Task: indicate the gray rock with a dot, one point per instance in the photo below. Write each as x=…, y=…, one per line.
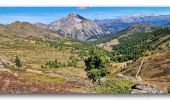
x=146, y=88
x=102, y=80
x=76, y=27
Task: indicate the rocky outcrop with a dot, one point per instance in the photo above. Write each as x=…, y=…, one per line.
x=141, y=87
x=146, y=88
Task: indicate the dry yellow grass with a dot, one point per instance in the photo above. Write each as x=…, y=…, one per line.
x=72, y=72
x=155, y=70
x=33, y=53
x=108, y=45
x=116, y=68
x=32, y=45
x=45, y=78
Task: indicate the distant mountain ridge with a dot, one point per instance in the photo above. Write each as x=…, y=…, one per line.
x=116, y=25
x=41, y=25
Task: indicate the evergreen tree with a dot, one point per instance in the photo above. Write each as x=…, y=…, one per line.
x=96, y=64
x=18, y=62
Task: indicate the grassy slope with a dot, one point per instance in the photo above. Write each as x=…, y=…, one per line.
x=154, y=70
x=21, y=39
x=36, y=46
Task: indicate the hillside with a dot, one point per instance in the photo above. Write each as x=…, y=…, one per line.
x=144, y=55
x=49, y=60
x=24, y=30
x=29, y=40
x=57, y=64
x=155, y=69
x=107, y=42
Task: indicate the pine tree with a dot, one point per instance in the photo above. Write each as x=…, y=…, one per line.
x=18, y=62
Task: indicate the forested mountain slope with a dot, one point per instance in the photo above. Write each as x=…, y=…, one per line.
x=135, y=45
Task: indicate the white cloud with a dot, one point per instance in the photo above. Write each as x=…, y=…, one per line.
x=83, y=8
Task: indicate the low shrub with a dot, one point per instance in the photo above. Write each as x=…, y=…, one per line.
x=55, y=64
x=114, y=86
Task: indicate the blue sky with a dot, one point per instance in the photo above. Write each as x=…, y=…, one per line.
x=48, y=14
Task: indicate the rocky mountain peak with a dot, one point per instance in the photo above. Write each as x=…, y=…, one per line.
x=75, y=17
x=76, y=27
x=73, y=14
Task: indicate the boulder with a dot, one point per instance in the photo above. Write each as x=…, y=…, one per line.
x=102, y=80
x=146, y=88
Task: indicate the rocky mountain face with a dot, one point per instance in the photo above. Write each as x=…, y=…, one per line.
x=76, y=27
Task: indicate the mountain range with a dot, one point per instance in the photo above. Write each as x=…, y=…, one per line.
x=77, y=27
x=115, y=25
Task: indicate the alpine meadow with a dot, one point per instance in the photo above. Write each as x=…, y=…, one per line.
x=108, y=50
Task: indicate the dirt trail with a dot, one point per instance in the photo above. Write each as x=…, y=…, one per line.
x=140, y=67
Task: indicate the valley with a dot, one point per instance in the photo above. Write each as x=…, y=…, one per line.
x=129, y=55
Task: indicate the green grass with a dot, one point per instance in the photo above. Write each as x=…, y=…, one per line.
x=115, y=87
